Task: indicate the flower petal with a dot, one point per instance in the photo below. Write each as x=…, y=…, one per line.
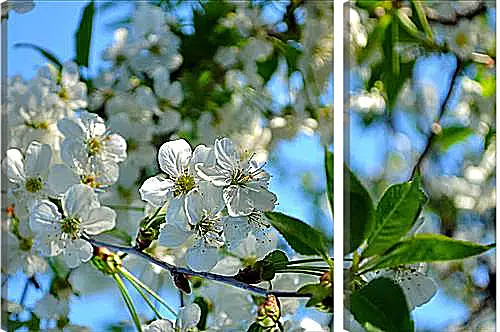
x=37, y=159
x=70, y=128
x=99, y=220
x=235, y=230
x=237, y=201
x=115, y=147
x=44, y=214
x=226, y=154
x=201, y=257
x=188, y=317
x=173, y=235
x=60, y=178
x=76, y=252
x=174, y=157
x=13, y=165
x=78, y=200
x=156, y=190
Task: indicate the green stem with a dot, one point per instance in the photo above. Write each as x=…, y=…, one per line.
x=151, y=219
x=147, y=289
x=310, y=260
x=308, y=267
x=128, y=301
x=317, y=274
x=126, y=207
x=138, y=288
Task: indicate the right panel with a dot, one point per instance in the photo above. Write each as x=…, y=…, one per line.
x=420, y=170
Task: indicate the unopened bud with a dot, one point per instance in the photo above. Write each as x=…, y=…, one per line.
x=436, y=128
x=269, y=312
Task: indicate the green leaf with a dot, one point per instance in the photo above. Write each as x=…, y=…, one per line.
x=304, y=239
x=381, y=304
x=44, y=52
x=427, y=248
x=267, y=68
x=275, y=260
x=321, y=296
x=396, y=212
x=329, y=176
x=255, y=327
x=360, y=214
x=83, y=35
x=451, y=136
x=420, y=18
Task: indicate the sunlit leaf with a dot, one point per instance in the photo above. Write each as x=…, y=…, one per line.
x=427, y=248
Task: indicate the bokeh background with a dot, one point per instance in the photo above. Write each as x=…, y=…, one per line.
x=385, y=141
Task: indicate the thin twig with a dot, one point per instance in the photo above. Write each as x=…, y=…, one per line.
x=206, y=275
x=432, y=135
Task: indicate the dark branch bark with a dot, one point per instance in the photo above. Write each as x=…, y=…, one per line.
x=432, y=134
x=206, y=275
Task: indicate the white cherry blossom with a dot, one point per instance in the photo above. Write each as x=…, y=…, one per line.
x=188, y=318
x=179, y=179
x=60, y=234
x=244, y=182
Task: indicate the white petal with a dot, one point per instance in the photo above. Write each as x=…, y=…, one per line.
x=175, y=210
x=237, y=201
x=235, y=230
x=261, y=198
x=76, y=252
x=203, y=155
x=107, y=172
x=161, y=325
x=206, y=197
x=74, y=152
x=70, y=74
x=174, y=157
x=13, y=165
x=188, y=317
x=201, y=257
x=115, y=147
x=70, y=128
x=156, y=190
x=93, y=123
x=99, y=220
x=173, y=235
x=44, y=214
x=37, y=160
x=78, y=200
x=226, y=154
x=60, y=178
x=174, y=93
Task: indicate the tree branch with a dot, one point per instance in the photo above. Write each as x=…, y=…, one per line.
x=431, y=137
x=206, y=275
x=435, y=16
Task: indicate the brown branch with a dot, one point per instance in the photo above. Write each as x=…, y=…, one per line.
x=206, y=275
x=434, y=16
x=432, y=135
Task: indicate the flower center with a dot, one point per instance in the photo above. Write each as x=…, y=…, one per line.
x=183, y=184
x=43, y=125
x=155, y=49
x=240, y=177
x=25, y=244
x=63, y=94
x=94, y=146
x=210, y=229
x=71, y=226
x=33, y=185
x=90, y=181
x=249, y=261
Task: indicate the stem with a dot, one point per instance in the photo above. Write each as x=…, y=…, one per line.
x=317, y=274
x=128, y=301
x=147, y=289
x=310, y=260
x=432, y=135
x=308, y=267
x=126, y=207
x=138, y=288
x=206, y=275
x=150, y=221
